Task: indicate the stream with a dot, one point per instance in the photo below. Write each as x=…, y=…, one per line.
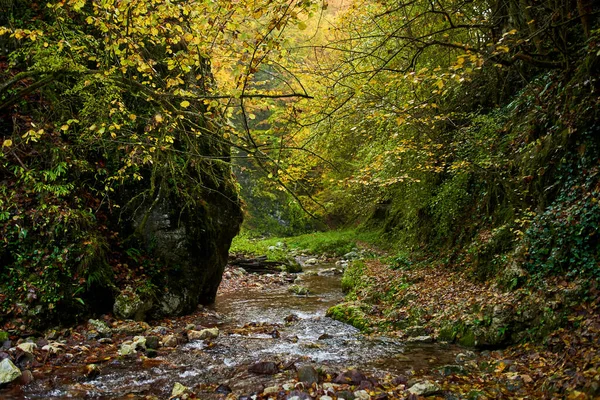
x=270, y=325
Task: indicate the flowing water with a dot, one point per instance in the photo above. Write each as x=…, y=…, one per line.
x=271, y=325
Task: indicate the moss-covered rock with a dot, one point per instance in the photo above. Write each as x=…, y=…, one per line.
x=350, y=313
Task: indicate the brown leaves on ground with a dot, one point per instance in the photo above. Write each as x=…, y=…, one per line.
x=566, y=364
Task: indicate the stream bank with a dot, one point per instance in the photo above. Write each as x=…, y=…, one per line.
x=258, y=339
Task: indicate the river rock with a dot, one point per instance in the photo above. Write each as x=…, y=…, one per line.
x=152, y=342
x=26, y=377
x=8, y=372
x=100, y=327
x=159, y=330
x=420, y=339
x=170, y=341
x=27, y=347
x=264, y=368
x=447, y=370
x=362, y=395
x=271, y=390
x=179, y=390
x=126, y=349
x=131, y=328
x=139, y=343
x=468, y=355
x=204, y=334
x=223, y=389
x=308, y=374
x=400, y=380
x=311, y=261
x=351, y=376
x=298, y=395
x=424, y=388
x=325, y=398
x=345, y=394
x=130, y=305
x=91, y=371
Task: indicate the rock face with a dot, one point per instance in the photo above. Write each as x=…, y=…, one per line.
x=193, y=243
x=186, y=222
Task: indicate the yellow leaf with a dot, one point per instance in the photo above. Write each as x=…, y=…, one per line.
x=440, y=84
x=185, y=104
x=132, y=117
x=64, y=128
x=7, y=143
x=158, y=118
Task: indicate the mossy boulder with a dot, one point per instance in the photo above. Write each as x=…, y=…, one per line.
x=129, y=305
x=351, y=314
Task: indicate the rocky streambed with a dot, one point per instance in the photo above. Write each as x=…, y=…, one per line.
x=263, y=338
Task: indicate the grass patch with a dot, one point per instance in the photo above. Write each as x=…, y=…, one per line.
x=332, y=243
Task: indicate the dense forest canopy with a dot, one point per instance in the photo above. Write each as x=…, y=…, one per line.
x=462, y=126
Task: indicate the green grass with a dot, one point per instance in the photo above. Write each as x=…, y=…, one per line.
x=333, y=243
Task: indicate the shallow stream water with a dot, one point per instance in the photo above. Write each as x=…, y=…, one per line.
x=270, y=325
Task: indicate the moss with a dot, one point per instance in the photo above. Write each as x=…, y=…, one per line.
x=299, y=290
x=467, y=338
x=351, y=314
x=352, y=276
x=3, y=336
x=447, y=333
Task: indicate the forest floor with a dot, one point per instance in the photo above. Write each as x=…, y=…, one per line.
x=557, y=360
x=413, y=304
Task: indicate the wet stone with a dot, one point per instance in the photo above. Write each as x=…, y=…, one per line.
x=271, y=390
x=362, y=395
x=151, y=353
x=27, y=347
x=26, y=377
x=8, y=371
x=365, y=385
x=308, y=374
x=447, y=370
x=152, y=342
x=91, y=371
x=170, y=341
x=400, y=380
x=223, y=389
x=425, y=388
x=264, y=368
x=345, y=394
x=105, y=341
x=298, y=395
x=351, y=376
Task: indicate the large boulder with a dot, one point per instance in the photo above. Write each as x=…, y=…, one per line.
x=191, y=237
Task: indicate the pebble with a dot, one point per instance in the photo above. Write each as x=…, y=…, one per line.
x=170, y=341
x=425, y=388
x=271, y=390
x=27, y=347
x=179, y=389
x=91, y=371
x=362, y=395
